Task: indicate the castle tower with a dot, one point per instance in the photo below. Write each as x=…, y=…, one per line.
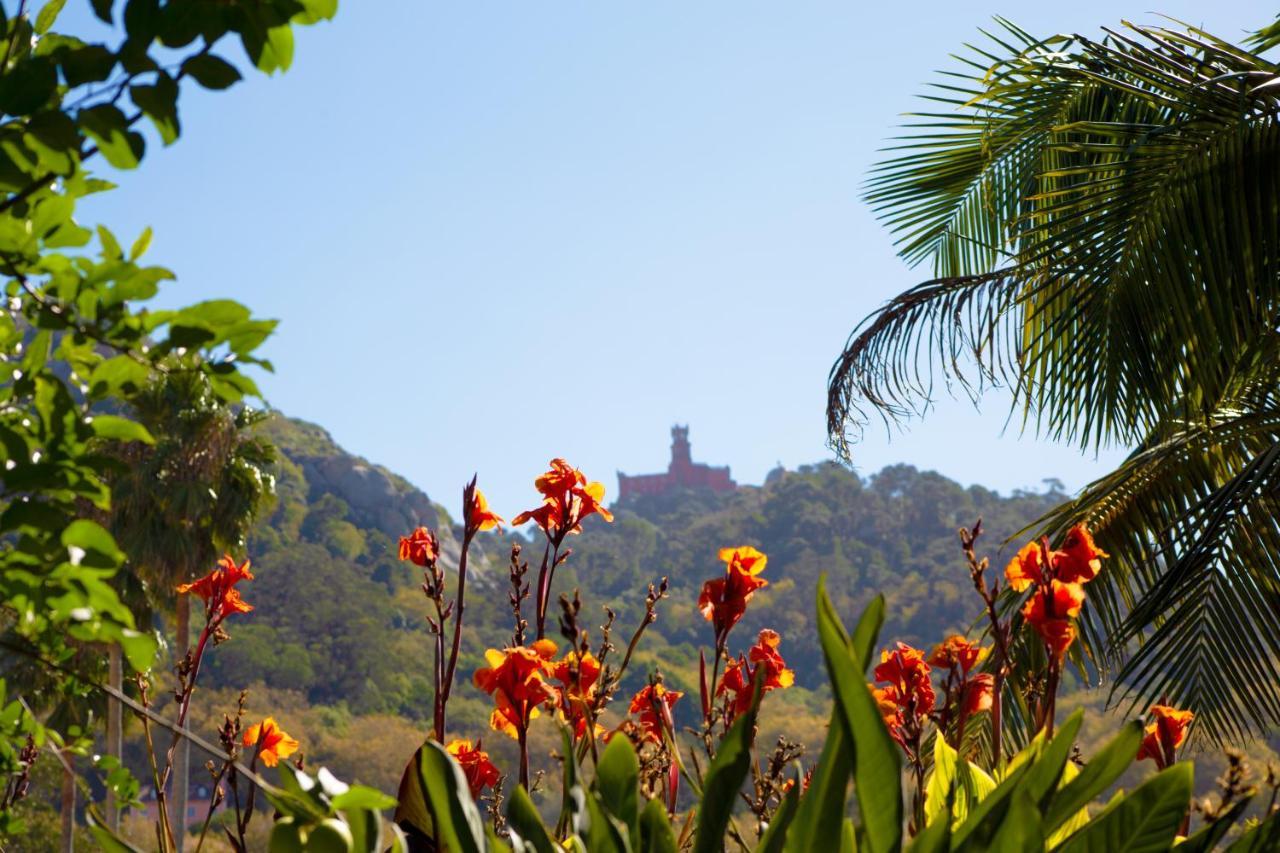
x=681, y=454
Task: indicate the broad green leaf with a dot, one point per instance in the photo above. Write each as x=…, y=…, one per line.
x=618, y=784
x=140, y=245
x=434, y=799
x=526, y=824
x=1045, y=773
x=935, y=838
x=48, y=14
x=117, y=428
x=1020, y=830
x=1078, y=820
x=599, y=830
x=363, y=797
x=211, y=72
x=656, y=834
x=90, y=544
x=107, y=126
x=986, y=817
x=723, y=782
x=877, y=765
x=1147, y=819
x=818, y=820
x=1206, y=838
x=1098, y=774
x=972, y=784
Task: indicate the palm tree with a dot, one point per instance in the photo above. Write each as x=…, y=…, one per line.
x=1101, y=218
x=176, y=503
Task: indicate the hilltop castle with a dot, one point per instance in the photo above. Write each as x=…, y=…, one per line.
x=683, y=472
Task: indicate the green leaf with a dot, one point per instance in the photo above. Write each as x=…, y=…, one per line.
x=986, y=817
x=877, y=766
x=91, y=63
x=723, y=781
x=363, y=797
x=1147, y=819
x=48, y=14
x=95, y=545
x=1020, y=830
x=28, y=85
x=1045, y=773
x=656, y=834
x=107, y=126
x=935, y=838
x=117, y=428
x=140, y=245
x=1263, y=838
x=1206, y=838
x=1098, y=774
x=821, y=809
x=102, y=8
x=434, y=799
x=971, y=783
x=524, y=821
x=618, y=784
x=211, y=72
x=315, y=11
x=599, y=830
x=160, y=104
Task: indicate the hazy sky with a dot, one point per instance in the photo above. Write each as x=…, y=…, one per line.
x=498, y=232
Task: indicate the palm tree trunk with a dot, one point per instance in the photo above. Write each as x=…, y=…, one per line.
x=115, y=728
x=68, y=805
x=182, y=759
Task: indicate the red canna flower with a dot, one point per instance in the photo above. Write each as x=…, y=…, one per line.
x=476, y=766
x=653, y=704
x=956, y=652
x=271, y=741
x=568, y=498
x=739, y=679
x=723, y=600
x=1164, y=735
x=890, y=703
x=905, y=669
x=420, y=547
x=1060, y=600
x=217, y=589
x=480, y=517
x=1079, y=559
x=516, y=679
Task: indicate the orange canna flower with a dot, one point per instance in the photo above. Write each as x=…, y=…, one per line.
x=568, y=498
x=1026, y=567
x=1164, y=735
x=653, y=704
x=739, y=678
x=476, y=766
x=1079, y=559
x=516, y=679
x=956, y=651
x=480, y=516
x=910, y=689
x=578, y=673
x=217, y=589
x=978, y=694
x=1062, y=600
x=889, y=701
x=420, y=547
x=271, y=742
x=723, y=600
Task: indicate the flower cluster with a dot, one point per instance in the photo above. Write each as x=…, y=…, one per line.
x=761, y=661
x=653, y=706
x=218, y=589
x=516, y=678
x=908, y=696
x=567, y=499
x=723, y=600
x=968, y=692
x=579, y=674
x=476, y=766
x=1058, y=578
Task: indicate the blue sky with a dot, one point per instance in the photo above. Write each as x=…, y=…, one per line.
x=499, y=232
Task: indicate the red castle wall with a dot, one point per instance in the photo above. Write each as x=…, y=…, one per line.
x=683, y=472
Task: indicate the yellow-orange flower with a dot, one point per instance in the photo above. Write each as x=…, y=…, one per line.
x=723, y=600
x=420, y=547
x=271, y=741
x=578, y=673
x=475, y=764
x=217, y=589
x=956, y=651
x=568, y=498
x=1025, y=568
x=480, y=516
x=516, y=679
x=653, y=704
x=1165, y=734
